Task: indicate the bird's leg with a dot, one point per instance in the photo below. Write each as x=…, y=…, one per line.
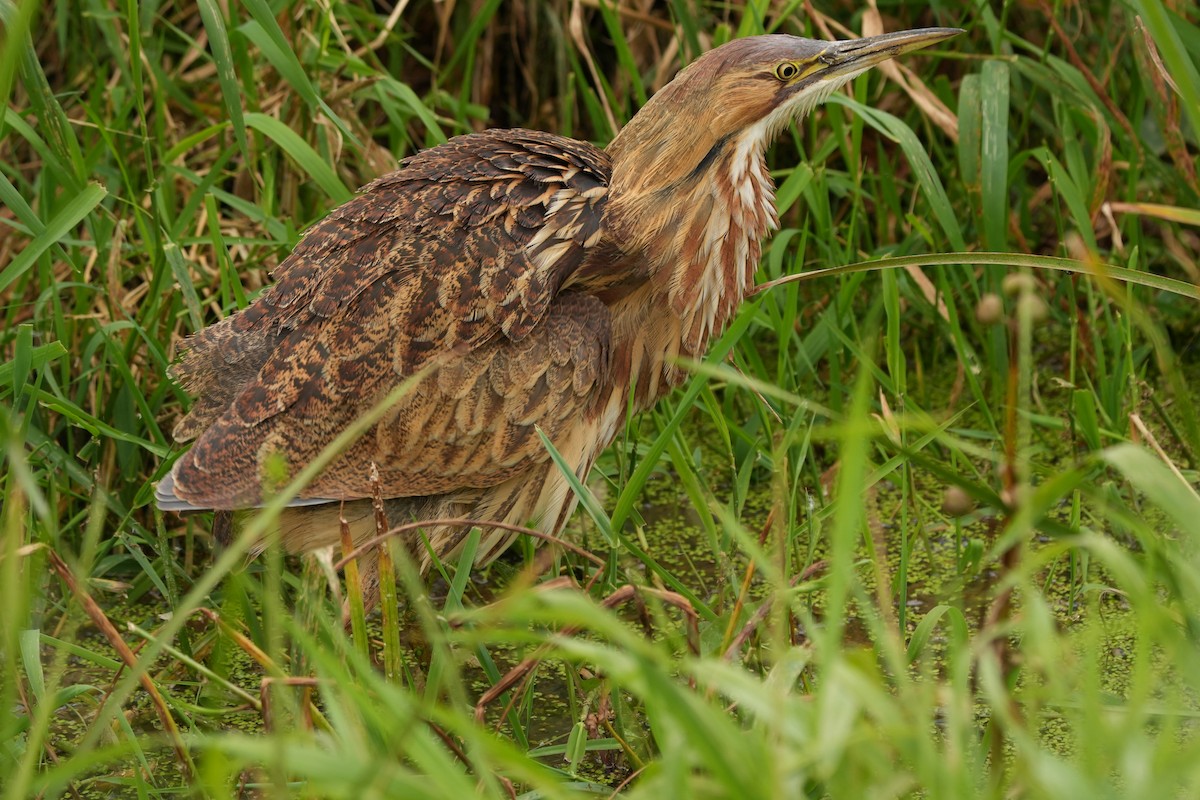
x=618, y=597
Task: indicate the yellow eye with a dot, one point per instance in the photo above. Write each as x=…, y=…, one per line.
x=786, y=71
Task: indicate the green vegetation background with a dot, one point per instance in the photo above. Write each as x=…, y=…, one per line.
x=923, y=526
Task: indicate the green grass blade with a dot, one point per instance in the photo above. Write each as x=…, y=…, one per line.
x=970, y=134
x=994, y=154
x=184, y=281
x=1179, y=64
x=218, y=42
x=1069, y=191
x=74, y=212
x=267, y=36
x=914, y=150
x=305, y=157
x=586, y=499
x=38, y=357
x=1150, y=280
x=1164, y=486
x=16, y=18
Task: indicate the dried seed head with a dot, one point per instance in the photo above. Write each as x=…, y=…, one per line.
x=956, y=502
x=1016, y=283
x=1034, y=306
x=990, y=310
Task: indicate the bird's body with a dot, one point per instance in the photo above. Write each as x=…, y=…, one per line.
x=541, y=282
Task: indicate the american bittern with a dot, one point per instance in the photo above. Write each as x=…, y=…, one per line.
x=545, y=279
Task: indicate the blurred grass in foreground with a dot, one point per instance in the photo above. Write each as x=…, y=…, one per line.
x=941, y=513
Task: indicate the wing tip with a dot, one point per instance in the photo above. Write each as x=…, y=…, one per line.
x=167, y=499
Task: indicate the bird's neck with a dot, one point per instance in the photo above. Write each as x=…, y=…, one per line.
x=718, y=242
x=698, y=241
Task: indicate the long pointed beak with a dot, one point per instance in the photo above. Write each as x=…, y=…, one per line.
x=859, y=55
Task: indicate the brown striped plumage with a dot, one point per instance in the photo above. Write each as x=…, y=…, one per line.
x=540, y=279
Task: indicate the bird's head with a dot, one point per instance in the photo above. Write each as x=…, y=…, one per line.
x=740, y=95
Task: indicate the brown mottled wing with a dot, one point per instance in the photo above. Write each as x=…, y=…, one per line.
x=473, y=422
x=458, y=259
